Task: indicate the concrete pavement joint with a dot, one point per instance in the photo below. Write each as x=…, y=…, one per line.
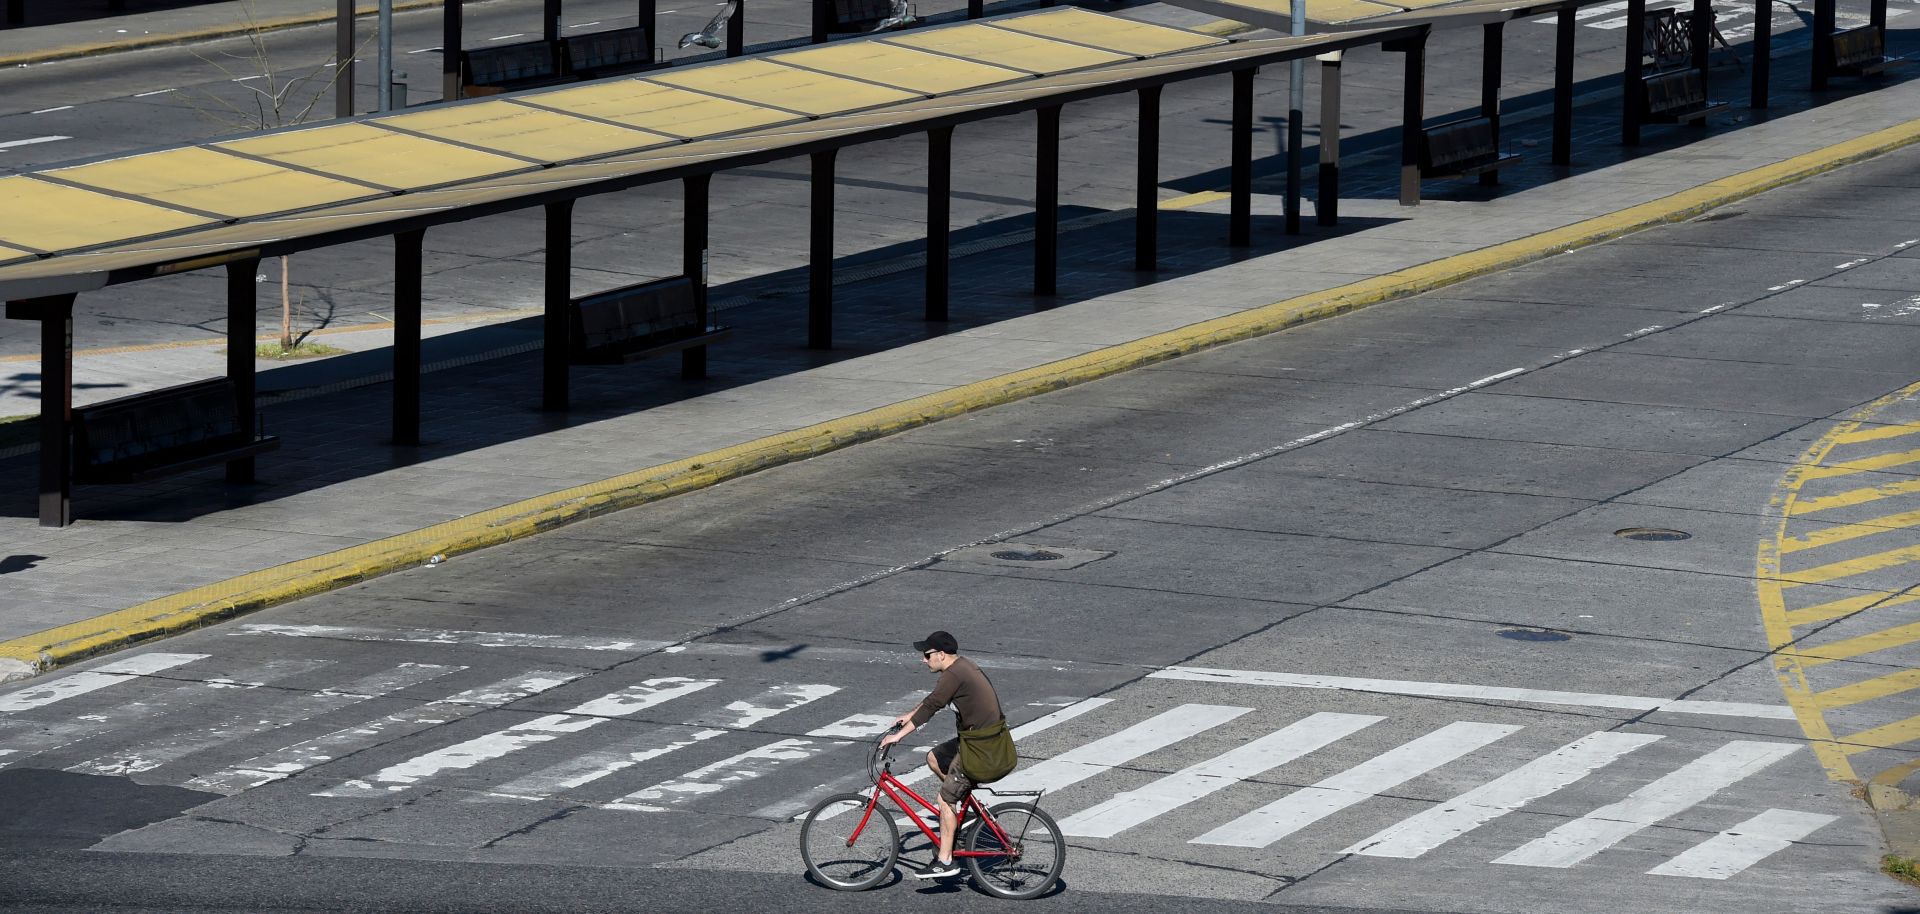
x=214, y=602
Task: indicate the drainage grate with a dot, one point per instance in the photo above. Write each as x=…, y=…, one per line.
x=1027, y=555
x=1534, y=634
x=1653, y=534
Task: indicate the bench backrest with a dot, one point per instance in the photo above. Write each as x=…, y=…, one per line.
x=634, y=312
x=859, y=15
x=1679, y=90
x=1856, y=46
x=162, y=420
x=509, y=63
x=1459, y=143
x=609, y=51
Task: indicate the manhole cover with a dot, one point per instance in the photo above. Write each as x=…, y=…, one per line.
x=1027, y=555
x=1653, y=534
x=1533, y=634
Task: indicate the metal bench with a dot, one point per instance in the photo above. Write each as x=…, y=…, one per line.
x=631, y=323
x=609, y=53
x=162, y=432
x=1678, y=97
x=1461, y=148
x=1862, y=51
x=505, y=67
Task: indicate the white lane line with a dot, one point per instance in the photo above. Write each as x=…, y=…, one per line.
x=505, y=37
x=248, y=78
x=52, y=110
x=1364, y=781
x=490, y=746
x=1154, y=733
x=1418, y=834
x=1474, y=692
x=154, y=92
x=1743, y=845
x=440, y=636
x=424, y=51
x=1248, y=760
x=42, y=694
x=146, y=709
x=29, y=142
x=582, y=25
x=798, y=806
x=1604, y=827
x=240, y=726
x=291, y=760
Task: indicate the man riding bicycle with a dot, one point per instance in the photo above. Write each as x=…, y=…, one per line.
x=982, y=726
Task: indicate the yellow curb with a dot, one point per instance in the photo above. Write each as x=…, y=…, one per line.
x=138, y=42
x=260, y=589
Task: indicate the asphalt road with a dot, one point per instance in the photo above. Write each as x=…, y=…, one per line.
x=120, y=103
x=1341, y=618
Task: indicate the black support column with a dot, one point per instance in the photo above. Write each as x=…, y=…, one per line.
x=1046, y=202
x=242, y=319
x=55, y=315
x=976, y=8
x=1762, y=52
x=1146, y=196
x=939, y=220
x=17, y=12
x=1413, y=112
x=820, y=257
x=1326, y=203
x=737, y=30
x=693, y=264
x=550, y=20
x=822, y=21
x=343, y=48
x=558, y=323
x=1633, y=92
x=1240, y=189
x=1700, y=36
x=407, y=271
x=1494, y=33
x=1563, y=35
x=1824, y=13
x=650, y=20
x=450, y=44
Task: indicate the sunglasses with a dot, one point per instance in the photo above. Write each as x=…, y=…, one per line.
x=928, y=655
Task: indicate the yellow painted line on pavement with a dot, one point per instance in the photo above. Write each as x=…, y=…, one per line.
x=1853, y=497
x=204, y=605
x=1847, y=607
x=1879, y=433
x=1834, y=571
x=1869, y=689
x=1860, y=645
x=1888, y=736
x=1882, y=462
x=1828, y=536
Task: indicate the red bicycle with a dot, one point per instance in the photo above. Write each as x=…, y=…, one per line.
x=1013, y=850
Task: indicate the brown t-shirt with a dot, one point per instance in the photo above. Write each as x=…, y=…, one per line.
x=967, y=689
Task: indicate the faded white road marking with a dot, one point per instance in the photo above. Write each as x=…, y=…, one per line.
x=711, y=779
x=1383, y=772
x=1474, y=692
x=436, y=636
x=499, y=743
x=9, y=144
x=1604, y=827
x=154, y=92
x=1743, y=845
x=291, y=711
x=52, y=110
x=287, y=762
x=41, y=694
x=1418, y=834
x=1244, y=761
x=1154, y=733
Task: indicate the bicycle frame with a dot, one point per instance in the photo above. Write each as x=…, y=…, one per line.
x=894, y=789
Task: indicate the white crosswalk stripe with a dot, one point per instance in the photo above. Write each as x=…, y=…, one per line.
x=1729, y=852
x=1364, y=781
x=1670, y=795
x=750, y=765
x=291, y=760
x=1157, y=732
x=1187, y=785
x=499, y=743
x=149, y=756
x=1421, y=833
x=40, y=695
x=40, y=739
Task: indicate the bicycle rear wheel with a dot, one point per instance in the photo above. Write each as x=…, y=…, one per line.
x=1027, y=862
x=846, y=849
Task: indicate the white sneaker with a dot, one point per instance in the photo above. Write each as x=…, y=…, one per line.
x=938, y=870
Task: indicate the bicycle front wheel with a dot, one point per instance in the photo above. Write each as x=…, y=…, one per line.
x=1026, y=862
x=845, y=848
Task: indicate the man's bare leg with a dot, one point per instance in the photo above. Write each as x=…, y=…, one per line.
x=948, y=821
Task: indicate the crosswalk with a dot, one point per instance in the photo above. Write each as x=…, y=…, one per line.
x=678, y=743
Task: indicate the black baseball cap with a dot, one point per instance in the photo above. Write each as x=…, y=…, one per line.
x=938, y=641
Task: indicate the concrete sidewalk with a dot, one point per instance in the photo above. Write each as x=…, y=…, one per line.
x=32, y=44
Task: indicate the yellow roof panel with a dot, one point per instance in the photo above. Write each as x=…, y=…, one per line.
x=525, y=131
x=663, y=109
x=1006, y=48
x=906, y=68
x=368, y=153
x=763, y=82
x=1113, y=33
x=55, y=218
x=213, y=182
